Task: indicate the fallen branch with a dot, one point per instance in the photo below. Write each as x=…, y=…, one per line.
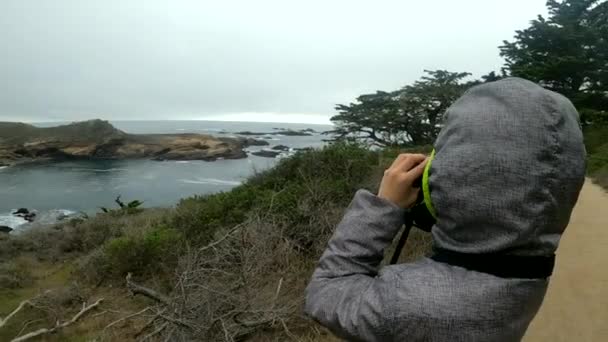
x=138, y=289
x=179, y=322
x=169, y=336
x=288, y=332
x=227, y=336
x=101, y=313
x=276, y=294
x=58, y=326
x=26, y=324
x=149, y=323
x=127, y=317
x=155, y=332
x=252, y=324
x=218, y=241
x=9, y=316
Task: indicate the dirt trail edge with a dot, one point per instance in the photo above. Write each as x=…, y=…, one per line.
x=576, y=305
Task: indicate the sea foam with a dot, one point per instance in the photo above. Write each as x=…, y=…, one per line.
x=211, y=181
x=44, y=218
x=7, y=219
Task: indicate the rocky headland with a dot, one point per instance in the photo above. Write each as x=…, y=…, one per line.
x=98, y=139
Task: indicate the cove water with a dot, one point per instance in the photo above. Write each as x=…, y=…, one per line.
x=57, y=189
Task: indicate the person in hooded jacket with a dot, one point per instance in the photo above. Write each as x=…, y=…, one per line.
x=506, y=172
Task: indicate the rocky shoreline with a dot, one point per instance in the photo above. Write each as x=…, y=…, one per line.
x=21, y=219
x=97, y=139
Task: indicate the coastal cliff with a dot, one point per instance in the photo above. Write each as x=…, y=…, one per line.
x=98, y=139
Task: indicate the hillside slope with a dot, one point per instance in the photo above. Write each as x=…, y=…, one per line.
x=85, y=131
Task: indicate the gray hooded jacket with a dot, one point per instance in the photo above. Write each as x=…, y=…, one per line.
x=509, y=166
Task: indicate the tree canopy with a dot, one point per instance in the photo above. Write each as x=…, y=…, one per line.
x=409, y=116
x=566, y=52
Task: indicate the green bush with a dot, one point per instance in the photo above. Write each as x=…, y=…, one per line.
x=199, y=217
x=598, y=159
x=93, y=268
x=595, y=136
x=130, y=208
x=593, y=117
x=596, y=142
x=290, y=192
x=311, y=185
x=88, y=235
x=145, y=254
x=15, y=274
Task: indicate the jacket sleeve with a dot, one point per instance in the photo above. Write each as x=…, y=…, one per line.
x=346, y=293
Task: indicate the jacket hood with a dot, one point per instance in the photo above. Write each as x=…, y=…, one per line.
x=508, y=168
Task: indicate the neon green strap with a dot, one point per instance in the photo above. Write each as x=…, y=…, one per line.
x=426, y=191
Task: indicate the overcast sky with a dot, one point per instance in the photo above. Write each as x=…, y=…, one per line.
x=263, y=60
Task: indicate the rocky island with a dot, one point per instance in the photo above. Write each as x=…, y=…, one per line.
x=98, y=139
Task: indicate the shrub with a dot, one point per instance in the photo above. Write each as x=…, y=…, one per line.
x=88, y=235
x=597, y=166
x=598, y=160
x=93, y=268
x=595, y=137
x=56, y=304
x=290, y=191
x=154, y=250
x=312, y=184
x=15, y=274
x=597, y=153
x=130, y=208
x=593, y=117
x=13, y=245
x=199, y=217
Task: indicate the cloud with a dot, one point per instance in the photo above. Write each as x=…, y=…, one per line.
x=147, y=59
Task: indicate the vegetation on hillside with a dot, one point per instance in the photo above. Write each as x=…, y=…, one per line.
x=92, y=130
x=596, y=141
x=230, y=264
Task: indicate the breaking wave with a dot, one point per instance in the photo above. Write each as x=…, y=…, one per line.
x=211, y=181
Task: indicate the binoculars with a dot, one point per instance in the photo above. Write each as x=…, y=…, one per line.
x=419, y=214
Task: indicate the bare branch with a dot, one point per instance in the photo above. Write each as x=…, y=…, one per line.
x=58, y=326
x=276, y=295
x=26, y=324
x=179, y=322
x=127, y=317
x=9, y=316
x=288, y=332
x=218, y=241
x=100, y=313
x=149, y=323
x=226, y=333
x=155, y=332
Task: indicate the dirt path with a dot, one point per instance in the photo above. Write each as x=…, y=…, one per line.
x=576, y=305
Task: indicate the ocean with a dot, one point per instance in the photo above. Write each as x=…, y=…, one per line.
x=64, y=188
